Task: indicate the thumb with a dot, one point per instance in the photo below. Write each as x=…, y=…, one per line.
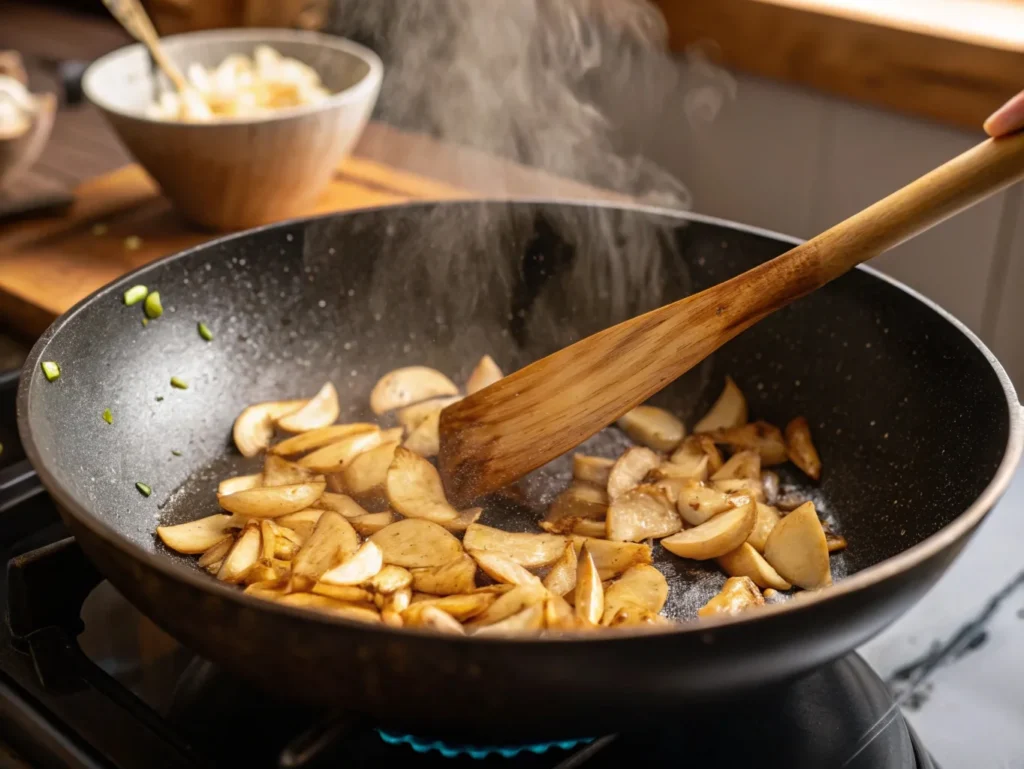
x=1008, y=118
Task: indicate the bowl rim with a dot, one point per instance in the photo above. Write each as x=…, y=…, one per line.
x=365, y=87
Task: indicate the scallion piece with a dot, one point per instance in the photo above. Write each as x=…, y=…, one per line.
x=135, y=294
x=152, y=307
x=176, y=452
x=145, y=322
x=50, y=370
x=108, y=417
x=181, y=384
x=144, y=490
x=204, y=332
x=159, y=398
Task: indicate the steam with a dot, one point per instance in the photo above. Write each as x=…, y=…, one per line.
x=541, y=83
x=524, y=80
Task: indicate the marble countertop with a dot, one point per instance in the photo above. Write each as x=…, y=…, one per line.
x=956, y=659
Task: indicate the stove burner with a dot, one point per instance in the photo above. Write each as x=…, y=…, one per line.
x=450, y=750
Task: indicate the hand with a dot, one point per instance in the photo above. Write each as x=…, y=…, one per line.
x=1008, y=118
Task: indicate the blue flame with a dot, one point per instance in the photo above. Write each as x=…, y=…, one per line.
x=450, y=750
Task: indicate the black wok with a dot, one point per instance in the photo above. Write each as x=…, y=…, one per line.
x=918, y=426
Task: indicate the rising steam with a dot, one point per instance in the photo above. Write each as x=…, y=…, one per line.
x=546, y=84
x=528, y=80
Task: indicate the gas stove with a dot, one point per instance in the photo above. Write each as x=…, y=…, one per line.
x=89, y=683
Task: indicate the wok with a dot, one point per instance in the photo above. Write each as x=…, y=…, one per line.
x=918, y=426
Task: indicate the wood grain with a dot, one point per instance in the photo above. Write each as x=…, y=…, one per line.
x=928, y=70
x=501, y=433
x=173, y=17
x=46, y=266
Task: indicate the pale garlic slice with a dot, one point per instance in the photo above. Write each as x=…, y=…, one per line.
x=272, y=501
x=409, y=385
x=414, y=488
x=417, y=543
x=197, y=536
x=653, y=427
x=315, y=439
x=254, y=427
x=729, y=410
x=484, y=375
x=589, y=603
x=716, y=537
x=320, y=411
x=239, y=483
x=630, y=469
x=361, y=566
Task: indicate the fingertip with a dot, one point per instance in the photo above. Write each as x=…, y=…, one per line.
x=1006, y=119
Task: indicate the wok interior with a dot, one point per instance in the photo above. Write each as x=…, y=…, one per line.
x=908, y=415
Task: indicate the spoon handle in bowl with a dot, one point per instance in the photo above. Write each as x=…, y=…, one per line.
x=133, y=17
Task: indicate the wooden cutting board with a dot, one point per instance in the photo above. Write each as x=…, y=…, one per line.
x=119, y=221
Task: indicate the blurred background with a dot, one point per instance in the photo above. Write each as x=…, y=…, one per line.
x=785, y=114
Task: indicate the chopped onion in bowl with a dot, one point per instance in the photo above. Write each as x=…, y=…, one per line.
x=242, y=87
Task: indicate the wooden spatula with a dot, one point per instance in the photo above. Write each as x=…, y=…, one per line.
x=499, y=434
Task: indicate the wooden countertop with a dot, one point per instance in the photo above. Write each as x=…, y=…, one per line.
x=47, y=264
x=953, y=61
x=120, y=221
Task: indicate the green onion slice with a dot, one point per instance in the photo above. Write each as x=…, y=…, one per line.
x=135, y=294
x=50, y=370
x=181, y=384
x=144, y=490
x=204, y=332
x=152, y=307
x=108, y=417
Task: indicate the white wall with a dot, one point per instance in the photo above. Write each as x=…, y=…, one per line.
x=797, y=161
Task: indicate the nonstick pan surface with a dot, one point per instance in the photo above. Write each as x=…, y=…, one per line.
x=918, y=427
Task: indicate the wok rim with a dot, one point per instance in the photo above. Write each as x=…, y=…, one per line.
x=863, y=580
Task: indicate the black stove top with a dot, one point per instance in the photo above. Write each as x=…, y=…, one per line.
x=111, y=692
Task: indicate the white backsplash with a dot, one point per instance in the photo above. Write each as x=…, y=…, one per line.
x=796, y=161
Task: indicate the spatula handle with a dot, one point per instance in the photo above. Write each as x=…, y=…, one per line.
x=965, y=180
x=983, y=170
x=545, y=409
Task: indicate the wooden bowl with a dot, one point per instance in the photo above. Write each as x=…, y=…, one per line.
x=240, y=172
x=18, y=153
